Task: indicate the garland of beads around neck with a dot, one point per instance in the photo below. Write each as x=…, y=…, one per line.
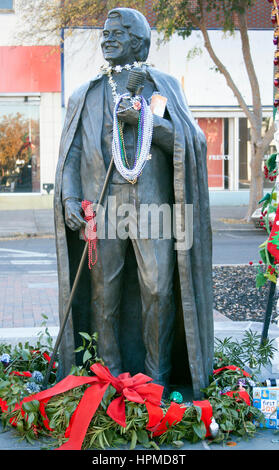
x=145, y=127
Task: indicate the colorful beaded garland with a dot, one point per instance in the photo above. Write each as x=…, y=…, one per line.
x=145, y=128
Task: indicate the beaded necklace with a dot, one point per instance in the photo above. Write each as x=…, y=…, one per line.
x=145, y=127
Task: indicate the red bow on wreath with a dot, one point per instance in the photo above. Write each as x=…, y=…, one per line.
x=136, y=389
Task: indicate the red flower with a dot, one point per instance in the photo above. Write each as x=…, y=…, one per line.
x=137, y=105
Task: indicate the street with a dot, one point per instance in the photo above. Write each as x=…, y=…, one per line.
x=28, y=274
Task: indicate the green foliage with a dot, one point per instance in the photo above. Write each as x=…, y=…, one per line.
x=247, y=351
x=89, y=350
x=24, y=358
x=182, y=16
x=233, y=416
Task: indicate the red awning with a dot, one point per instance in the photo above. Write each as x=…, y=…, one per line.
x=29, y=69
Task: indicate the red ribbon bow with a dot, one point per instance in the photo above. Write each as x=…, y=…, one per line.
x=135, y=389
x=90, y=234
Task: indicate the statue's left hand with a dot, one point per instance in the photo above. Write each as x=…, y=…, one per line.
x=126, y=113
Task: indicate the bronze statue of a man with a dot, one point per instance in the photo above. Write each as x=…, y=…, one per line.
x=150, y=303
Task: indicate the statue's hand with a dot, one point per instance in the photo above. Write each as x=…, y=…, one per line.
x=126, y=113
x=73, y=217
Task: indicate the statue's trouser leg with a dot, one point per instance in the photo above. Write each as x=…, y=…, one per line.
x=156, y=261
x=106, y=278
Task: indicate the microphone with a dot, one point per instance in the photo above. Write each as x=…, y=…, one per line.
x=135, y=81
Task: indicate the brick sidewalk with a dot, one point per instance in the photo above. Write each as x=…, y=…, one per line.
x=25, y=297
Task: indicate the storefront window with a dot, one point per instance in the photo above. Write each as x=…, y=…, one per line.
x=218, y=157
x=19, y=146
x=245, y=153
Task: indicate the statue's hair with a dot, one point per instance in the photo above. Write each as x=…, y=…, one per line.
x=137, y=25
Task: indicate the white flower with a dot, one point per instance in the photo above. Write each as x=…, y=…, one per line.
x=32, y=387
x=37, y=376
x=118, y=68
x=5, y=358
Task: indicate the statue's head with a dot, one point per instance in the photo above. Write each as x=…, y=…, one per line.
x=126, y=36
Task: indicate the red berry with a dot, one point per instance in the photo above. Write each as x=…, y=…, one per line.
x=250, y=262
x=260, y=262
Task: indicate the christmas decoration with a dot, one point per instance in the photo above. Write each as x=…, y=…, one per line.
x=176, y=397
x=91, y=408
x=269, y=250
x=273, y=241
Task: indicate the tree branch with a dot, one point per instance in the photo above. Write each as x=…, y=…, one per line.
x=246, y=52
x=221, y=67
x=268, y=137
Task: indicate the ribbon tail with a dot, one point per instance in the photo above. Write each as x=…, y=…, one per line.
x=206, y=415
x=116, y=411
x=173, y=416
x=70, y=382
x=155, y=416
x=86, y=409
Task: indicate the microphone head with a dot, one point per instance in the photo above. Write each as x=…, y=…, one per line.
x=135, y=79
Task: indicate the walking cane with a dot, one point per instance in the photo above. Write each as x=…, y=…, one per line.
x=75, y=284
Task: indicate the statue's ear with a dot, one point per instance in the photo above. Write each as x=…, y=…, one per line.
x=136, y=43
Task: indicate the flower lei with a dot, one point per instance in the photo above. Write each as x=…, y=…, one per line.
x=108, y=70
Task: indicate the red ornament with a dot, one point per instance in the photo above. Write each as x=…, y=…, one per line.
x=276, y=82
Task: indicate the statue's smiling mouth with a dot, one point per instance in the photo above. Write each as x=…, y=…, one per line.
x=110, y=47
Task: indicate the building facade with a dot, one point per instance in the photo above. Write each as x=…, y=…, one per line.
x=30, y=115
x=36, y=84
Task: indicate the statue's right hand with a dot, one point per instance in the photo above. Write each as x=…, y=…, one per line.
x=73, y=217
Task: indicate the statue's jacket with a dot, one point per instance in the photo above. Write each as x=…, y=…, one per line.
x=192, y=358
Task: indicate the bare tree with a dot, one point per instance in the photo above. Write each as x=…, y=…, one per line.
x=184, y=16
x=42, y=20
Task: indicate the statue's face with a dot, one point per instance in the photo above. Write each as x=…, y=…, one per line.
x=116, y=43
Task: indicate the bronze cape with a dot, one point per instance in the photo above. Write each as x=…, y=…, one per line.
x=192, y=357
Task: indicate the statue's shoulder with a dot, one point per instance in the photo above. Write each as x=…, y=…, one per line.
x=163, y=76
x=79, y=92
